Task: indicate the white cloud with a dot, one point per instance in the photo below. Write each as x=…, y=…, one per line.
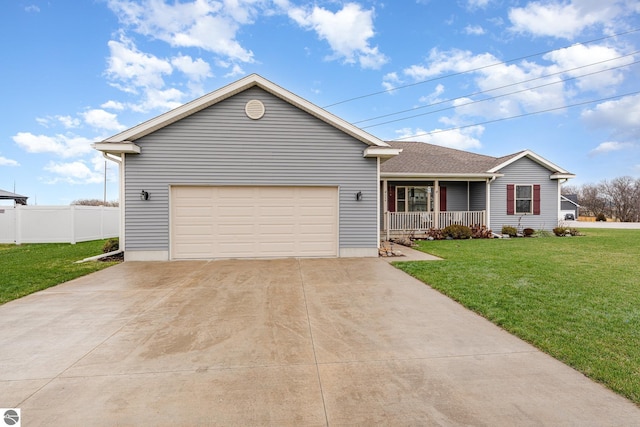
x=102, y=119
x=474, y=30
x=580, y=56
x=609, y=146
x=131, y=69
x=68, y=121
x=195, y=70
x=433, y=96
x=566, y=19
x=622, y=114
x=473, y=4
x=159, y=99
x=390, y=81
x=73, y=173
x=461, y=139
x=8, y=162
x=208, y=25
x=113, y=105
x=61, y=145
x=32, y=8
x=347, y=31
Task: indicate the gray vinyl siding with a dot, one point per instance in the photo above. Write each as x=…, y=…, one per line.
x=220, y=145
x=456, y=195
x=522, y=172
x=478, y=196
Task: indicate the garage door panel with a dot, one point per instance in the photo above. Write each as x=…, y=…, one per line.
x=253, y=222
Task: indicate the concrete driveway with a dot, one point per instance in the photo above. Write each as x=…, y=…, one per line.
x=309, y=342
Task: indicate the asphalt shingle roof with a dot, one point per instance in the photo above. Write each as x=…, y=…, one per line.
x=421, y=158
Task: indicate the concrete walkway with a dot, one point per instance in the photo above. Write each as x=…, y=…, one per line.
x=313, y=342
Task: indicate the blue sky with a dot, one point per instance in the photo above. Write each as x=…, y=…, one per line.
x=453, y=73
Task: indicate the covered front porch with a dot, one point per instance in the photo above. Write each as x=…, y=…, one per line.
x=416, y=206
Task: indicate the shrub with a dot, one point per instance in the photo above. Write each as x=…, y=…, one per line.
x=560, y=231
x=528, y=232
x=543, y=233
x=511, y=231
x=434, y=234
x=456, y=231
x=601, y=217
x=111, y=245
x=481, y=233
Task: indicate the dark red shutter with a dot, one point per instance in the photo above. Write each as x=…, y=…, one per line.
x=536, y=199
x=443, y=199
x=391, y=199
x=511, y=196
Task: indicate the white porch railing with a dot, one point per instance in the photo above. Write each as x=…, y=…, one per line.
x=422, y=221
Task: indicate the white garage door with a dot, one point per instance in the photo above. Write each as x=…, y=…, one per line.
x=253, y=222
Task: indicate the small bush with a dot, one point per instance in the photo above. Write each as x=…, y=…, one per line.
x=566, y=231
x=601, y=217
x=434, y=234
x=481, y=233
x=543, y=233
x=528, y=232
x=111, y=245
x=456, y=231
x=511, y=231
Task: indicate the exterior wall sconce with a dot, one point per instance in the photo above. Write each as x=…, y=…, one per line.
x=144, y=195
x=359, y=195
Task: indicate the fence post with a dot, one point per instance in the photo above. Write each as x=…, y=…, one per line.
x=72, y=218
x=18, y=222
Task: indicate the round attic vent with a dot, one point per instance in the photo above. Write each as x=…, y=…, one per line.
x=254, y=109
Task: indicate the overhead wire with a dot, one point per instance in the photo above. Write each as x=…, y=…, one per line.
x=479, y=68
x=499, y=88
x=516, y=117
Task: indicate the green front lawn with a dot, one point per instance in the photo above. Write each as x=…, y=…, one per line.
x=33, y=267
x=576, y=298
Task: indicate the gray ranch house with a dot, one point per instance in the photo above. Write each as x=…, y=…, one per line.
x=252, y=170
x=429, y=186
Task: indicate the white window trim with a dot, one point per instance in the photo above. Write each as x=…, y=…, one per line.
x=515, y=199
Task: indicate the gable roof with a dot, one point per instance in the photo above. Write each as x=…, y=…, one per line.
x=130, y=135
x=421, y=159
x=7, y=195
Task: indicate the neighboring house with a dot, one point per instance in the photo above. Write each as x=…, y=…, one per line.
x=569, y=206
x=17, y=198
x=428, y=186
x=252, y=171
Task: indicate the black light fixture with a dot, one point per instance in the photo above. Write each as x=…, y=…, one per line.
x=359, y=195
x=144, y=195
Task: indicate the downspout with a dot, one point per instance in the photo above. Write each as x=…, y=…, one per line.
x=120, y=161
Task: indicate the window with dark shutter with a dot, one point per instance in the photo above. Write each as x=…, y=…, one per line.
x=511, y=204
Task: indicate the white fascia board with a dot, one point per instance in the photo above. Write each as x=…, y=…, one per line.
x=533, y=156
x=117, y=147
x=228, y=91
x=562, y=176
x=444, y=176
x=381, y=152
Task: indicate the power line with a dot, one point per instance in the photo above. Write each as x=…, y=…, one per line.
x=478, y=68
x=498, y=96
x=516, y=117
x=502, y=87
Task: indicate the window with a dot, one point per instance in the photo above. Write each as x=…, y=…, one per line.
x=524, y=199
x=414, y=199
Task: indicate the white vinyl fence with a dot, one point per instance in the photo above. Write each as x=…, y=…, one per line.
x=57, y=224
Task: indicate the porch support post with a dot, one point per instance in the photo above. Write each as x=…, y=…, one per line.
x=436, y=204
x=487, y=204
x=385, y=206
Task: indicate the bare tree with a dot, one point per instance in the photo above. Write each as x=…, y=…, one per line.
x=593, y=201
x=94, y=202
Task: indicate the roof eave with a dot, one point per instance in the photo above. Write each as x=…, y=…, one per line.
x=536, y=158
x=417, y=175
x=383, y=153
x=117, y=147
x=562, y=176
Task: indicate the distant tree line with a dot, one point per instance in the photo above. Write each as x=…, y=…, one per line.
x=618, y=198
x=95, y=202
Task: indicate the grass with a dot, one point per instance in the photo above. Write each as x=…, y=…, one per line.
x=575, y=298
x=32, y=267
